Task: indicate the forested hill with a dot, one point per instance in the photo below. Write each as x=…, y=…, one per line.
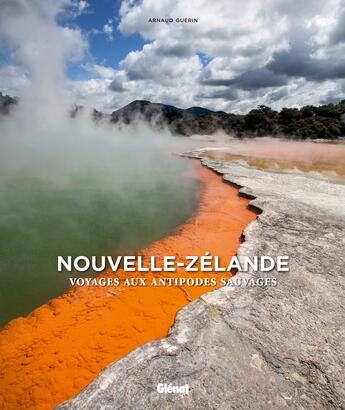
x=325, y=121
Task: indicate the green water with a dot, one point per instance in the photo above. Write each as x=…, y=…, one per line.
x=115, y=213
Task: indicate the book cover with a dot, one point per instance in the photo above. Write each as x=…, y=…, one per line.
x=172, y=231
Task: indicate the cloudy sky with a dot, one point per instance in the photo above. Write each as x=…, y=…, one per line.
x=238, y=55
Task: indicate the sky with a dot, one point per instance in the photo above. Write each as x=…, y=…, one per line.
x=238, y=55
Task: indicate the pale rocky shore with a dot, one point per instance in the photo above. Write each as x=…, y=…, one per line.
x=253, y=347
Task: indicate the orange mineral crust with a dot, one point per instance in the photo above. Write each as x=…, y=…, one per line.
x=50, y=355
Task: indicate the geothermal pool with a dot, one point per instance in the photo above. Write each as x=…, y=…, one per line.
x=88, y=215
x=60, y=347
x=325, y=160
x=60, y=203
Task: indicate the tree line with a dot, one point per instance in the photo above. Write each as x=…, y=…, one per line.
x=324, y=121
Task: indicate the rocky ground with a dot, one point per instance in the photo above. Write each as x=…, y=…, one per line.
x=253, y=347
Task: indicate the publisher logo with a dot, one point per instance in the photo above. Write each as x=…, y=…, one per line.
x=168, y=388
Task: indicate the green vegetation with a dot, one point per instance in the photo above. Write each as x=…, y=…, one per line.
x=325, y=121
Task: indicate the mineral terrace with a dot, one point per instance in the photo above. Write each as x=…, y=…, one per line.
x=253, y=347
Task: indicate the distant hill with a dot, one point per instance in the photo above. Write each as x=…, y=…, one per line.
x=180, y=121
x=324, y=121
x=315, y=122
x=155, y=111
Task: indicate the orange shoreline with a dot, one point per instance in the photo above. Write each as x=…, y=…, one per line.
x=50, y=355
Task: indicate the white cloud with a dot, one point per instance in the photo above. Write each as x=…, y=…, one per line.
x=250, y=23
x=297, y=93
x=154, y=63
x=82, y=6
x=239, y=54
x=239, y=40
x=101, y=71
x=108, y=29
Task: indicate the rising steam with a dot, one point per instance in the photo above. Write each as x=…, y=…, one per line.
x=40, y=138
x=71, y=185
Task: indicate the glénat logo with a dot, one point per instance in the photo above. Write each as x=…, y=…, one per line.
x=168, y=388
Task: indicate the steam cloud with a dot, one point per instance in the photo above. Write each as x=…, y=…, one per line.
x=71, y=185
x=40, y=138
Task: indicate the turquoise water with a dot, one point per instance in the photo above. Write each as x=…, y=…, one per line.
x=91, y=214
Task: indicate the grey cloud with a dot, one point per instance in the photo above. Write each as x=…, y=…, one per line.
x=135, y=73
x=228, y=94
x=117, y=86
x=337, y=36
x=298, y=62
x=259, y=78
x=176, y=50
x=216, y=82
x=251, y=80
